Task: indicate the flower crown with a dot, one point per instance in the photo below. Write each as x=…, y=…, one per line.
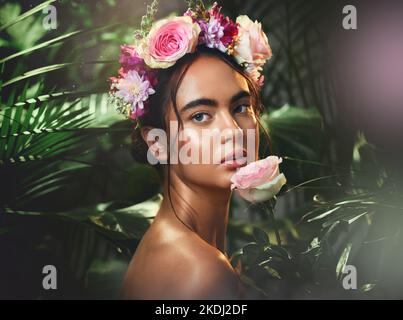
x=159, y=44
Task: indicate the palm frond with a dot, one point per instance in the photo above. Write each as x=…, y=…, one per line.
x=50, y=68
x=26, y=14
x=59, y=39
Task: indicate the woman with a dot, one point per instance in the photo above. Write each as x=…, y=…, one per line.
x=182, y=255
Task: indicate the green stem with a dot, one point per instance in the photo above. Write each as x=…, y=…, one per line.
x=270, y=209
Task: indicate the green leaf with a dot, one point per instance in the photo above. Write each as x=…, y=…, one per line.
x=324, y=214
x=251, y=283
x=260, y=236
x=251, y=252
x=26, y=14
x=355, y=217
x=296, y=132
x=235, y=257
x=277, y=251
x=367, y=287
x=124, y=223
x=343, y=261
x=121, y=224
x=272, y=272
x=50, y=68
x=53, y=41
x=104, y=279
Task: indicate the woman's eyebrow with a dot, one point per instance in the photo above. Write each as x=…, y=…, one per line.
x=212, y=102
x=199, y=102
x=241, y=94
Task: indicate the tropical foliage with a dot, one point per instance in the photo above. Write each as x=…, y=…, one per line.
x=71, y=195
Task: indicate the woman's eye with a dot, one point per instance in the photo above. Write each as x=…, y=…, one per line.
x=200, y=117
x=242, y=108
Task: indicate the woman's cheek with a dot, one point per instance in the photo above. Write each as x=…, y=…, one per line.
x=190, y=147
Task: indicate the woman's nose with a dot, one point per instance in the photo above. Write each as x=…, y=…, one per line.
x=227, y=121
x=229, y=127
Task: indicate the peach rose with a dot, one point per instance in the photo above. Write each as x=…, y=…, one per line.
x=168, y=40
x=252, y=46
x=260, y=180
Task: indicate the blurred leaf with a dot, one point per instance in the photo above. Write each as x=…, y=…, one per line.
x=11, y=12
x=261, y=236
x=324, y=214
x=124, y=223
x=120, y=223
x=25, y=29
x=343, y=260
x=274, y=273
x=367, y=287
x=251, y=252
x=104, y=279
x=53, y=41
x=50, y=68
x=299, y=130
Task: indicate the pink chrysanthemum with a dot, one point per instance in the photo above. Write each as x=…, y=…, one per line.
x=134, y=89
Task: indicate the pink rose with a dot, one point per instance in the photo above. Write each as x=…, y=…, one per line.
x=252, y=46
x=260, y=180
x=169, y=40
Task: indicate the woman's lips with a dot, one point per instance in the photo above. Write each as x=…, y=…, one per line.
x=234, y=159
x=239, y=162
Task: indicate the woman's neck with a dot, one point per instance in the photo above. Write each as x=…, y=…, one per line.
x=203, y=210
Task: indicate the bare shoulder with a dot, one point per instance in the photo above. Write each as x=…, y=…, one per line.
x=187, y=268
x=205, y=273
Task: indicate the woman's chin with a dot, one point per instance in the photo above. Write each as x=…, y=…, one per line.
x=224, y=176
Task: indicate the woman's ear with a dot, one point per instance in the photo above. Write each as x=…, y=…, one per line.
x=156, y=142
x=144, y=134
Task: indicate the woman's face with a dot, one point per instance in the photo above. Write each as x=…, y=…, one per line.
x=216, y=109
